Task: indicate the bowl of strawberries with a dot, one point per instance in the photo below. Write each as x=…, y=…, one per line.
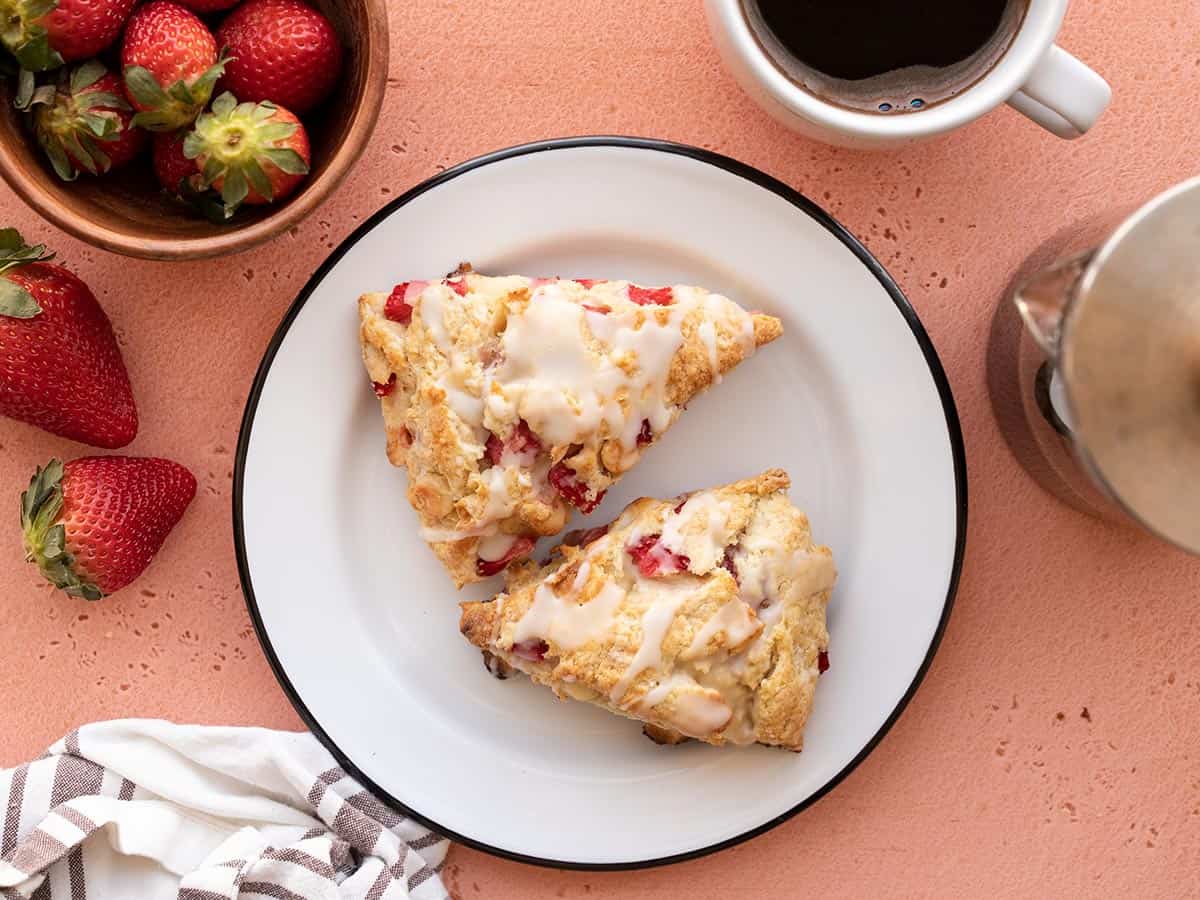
x=183, y=129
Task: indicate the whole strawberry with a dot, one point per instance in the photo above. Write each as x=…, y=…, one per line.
x=43, y=34
x=84, y=124
x=281, y=50
x=170, y=63
x=60, y=366
x=249, y=152
x=94, y=524
x=170, y=165
x=181, y=179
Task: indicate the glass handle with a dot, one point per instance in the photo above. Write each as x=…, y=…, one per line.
x=1043, y=299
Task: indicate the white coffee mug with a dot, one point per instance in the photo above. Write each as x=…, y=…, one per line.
x=1034, y=76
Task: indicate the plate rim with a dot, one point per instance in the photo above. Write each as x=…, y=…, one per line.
x=656, y=145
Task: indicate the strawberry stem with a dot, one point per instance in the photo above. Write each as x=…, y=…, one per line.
x=46, y=538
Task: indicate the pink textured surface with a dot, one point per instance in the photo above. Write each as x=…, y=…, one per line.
x=1052, y=750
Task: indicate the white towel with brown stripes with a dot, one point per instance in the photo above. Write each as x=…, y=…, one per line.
x=155, y=811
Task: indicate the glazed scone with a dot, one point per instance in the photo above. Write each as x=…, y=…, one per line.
x=511, y=399
x=701, y=616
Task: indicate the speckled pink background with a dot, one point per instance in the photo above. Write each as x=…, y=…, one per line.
x=1054, y=749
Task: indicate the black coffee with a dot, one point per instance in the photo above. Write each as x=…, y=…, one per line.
x=886, y=54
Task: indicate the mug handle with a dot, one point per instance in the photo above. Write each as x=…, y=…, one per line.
x=1062, y=95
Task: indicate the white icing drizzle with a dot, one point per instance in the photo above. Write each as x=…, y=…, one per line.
x=757, y=561
x=494, y=546
x=737, y=664
x=565, y=386
x=500, y=503
x=734, y=618
x=763, y=562
x=433, y=314
x=706, y=549
x=466, y=406
x=660, y=691
x=572, y=374
x=564, y=621
x=581, y=577
x=699, y=714
x=498, y=404
x=770, y=615
x=696, y=712
x=656, y=622
x=449, y=535
x=523, y=460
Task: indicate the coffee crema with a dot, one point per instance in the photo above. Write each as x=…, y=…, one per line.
x=885, y=56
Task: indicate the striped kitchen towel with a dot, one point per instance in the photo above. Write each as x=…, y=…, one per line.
x=148, y=809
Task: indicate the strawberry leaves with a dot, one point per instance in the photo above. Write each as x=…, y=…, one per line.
x=26, y=85
x=173, y=107
x=235, y=143
x=15, y=301
x=45, y=536
x=29, y=42
x=74, y=119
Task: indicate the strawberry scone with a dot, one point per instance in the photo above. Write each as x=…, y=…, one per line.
x=702, y=617
x=511, y=400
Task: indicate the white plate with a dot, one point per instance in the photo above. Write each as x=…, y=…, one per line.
x=361, y=624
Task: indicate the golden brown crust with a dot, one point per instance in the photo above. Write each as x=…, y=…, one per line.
x=703, y=618
x=664, y=736
x=468, y=371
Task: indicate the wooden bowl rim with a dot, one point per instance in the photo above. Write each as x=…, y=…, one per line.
x=362, y=123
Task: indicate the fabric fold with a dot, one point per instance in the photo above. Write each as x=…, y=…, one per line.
x=154, y=810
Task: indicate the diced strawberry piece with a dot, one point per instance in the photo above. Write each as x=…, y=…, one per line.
x=521, y=441
x=645, y=436
x=730, y=566
x=590, y=283
x=597, y=308
x=384, y=390
x=567, y=483
x=654, y=560
x=533, y=650
x=682, y=503
x=585, y=536
x=655, y=296
x=522, y=546
x=458, y=285
x=822, y=662
x=494, y=449
x=397, y=308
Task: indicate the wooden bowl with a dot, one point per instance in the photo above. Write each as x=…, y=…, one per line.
x=127, y=212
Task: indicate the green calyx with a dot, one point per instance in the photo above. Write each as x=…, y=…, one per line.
x=206, y=201
x=45, y=536
x=15, y=301
x=235, y=140
x=27, y=40
x=73, y=123
x=174, y=107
